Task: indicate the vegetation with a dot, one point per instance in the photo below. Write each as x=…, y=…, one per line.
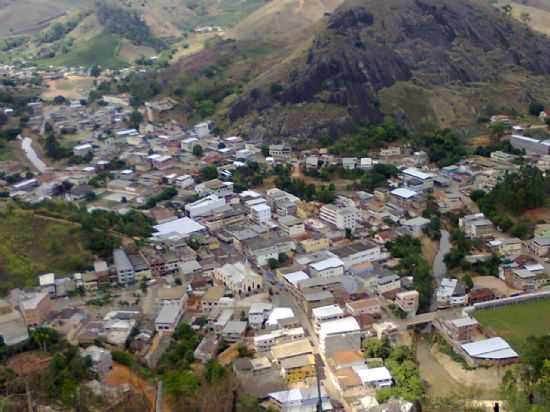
x=166, y=194
x=298, y=187
x=412, y=263
x=444, y=147
x=401, y=362
x=31, y=244
x=126, y=23
x=247, y=177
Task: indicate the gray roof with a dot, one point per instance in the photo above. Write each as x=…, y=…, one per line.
x=121, y=260
x=235, y=327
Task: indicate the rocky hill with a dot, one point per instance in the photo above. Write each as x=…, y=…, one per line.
x=440, y=60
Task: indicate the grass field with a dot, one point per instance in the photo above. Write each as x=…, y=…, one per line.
x=31, y=245
x=516, y=322
x=102, y=50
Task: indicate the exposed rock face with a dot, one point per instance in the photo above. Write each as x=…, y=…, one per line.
x=368, y=45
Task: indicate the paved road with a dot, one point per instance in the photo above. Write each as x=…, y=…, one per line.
x=439, y=269
x=26, y=145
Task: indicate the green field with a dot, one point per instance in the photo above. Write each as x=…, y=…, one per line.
x=101, y=50
x=31, y=245
x=516, y=322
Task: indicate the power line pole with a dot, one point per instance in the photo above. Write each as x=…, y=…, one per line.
x=29, y=398
x=319, y=400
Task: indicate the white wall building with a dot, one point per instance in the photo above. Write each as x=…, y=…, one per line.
x=205, y=206
x=340, y=335
x=261, y=213
x=343, y=218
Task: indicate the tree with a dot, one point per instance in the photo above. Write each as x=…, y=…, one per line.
x=273, y=263
x=497, y=131
x=95, y=71
x=44, y=337
x=265, y=150
x=197, y=150
x=525, y=17
x=507, y=10
x=209, y=172
x=59, y=100
x=135, y=119
x=468, y=282
x=377, y=348
x=535, y=108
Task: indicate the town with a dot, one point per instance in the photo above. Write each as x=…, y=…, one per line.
x=310, y=287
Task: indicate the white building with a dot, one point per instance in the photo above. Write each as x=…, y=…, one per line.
x=374, y=377
x=327, y=268
x=205, y=206
x=82, y=150
x=258, y=313
x=358, y=252
x=291, y=226
x=214, y=187
x=168, y=318
x=260, y=213
x=324, y=314
x=343, y=218
x=340, y=335
x=177, y=229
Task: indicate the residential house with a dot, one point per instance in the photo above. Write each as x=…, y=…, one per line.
x=214, y=187
x=370, y=306
x=462, y=329
x=415, y=226
x=325, y=313
x=35, y=306
x=258, y=314
x=540, y=246
x=521, y=279
x=298, y=368
x=476, y=226
x=408, y=301
x=280, y=152
x=508, y=246
x=101, y=359
x=291, y=226
x=168, y=318
x=260, y=214
x=234, y=331
x=326, y=268
x=340, y=335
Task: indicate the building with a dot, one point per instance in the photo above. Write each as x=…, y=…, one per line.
x=324, y=314
x=408, y=301
x=291, y=226
x=47, y=283
x=177, y=229
x=489, y=352
x=280, y=152
x=234, y=331
x=340, y=335
x=417, y=180
x=265, y=342
x=299, y=400
x=35, y=306
x=204, y=207
x=451, y=293
x=298, y=368
x=214, y=187
x=358, y=252
x=521, y=279
x=82, y=150
x=168, y=318
x=374, y=377
x=124, y=269
x=211, y=298
x=416, y=225
x=291, y=349
x=388, y=284
x=258, y=314
x=540, y=246
x=476, y=226
x=462, y=329
x=282, y=318
x=509, y=246
x=369, y=306
x=239, y=278
x=13, y=329
x=260, y=214
x=262, y=250
x=530, y=145
x=327, y=268
x=341, y=217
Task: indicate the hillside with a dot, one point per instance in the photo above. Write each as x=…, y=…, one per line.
x=437, y=60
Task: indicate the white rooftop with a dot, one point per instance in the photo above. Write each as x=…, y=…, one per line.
x=332, y=262
x=492, y=348
x=412, y=171
x=327, y=311
x=296, y=277
x=404, y=193
x=372, y=375
x=46, y=279
x=178, y=228
x=279, y=314
x=343, y=325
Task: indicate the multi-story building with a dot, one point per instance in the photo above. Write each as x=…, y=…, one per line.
x=341, y=217
x=291, y=226
x=368, y=306
x=124, y=269
x=204, y=207
x=540, y=246
x=358, y=252
x=298, y=368
x=408, y=301
x=280, y=152
x=339, y=335
x=521, y=279
x=214, y=187
x=35, y=306
x=324, y=314
x=462, y=329
x=260, y=214
x=325, y=268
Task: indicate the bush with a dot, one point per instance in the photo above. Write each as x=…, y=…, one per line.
x=124, y=358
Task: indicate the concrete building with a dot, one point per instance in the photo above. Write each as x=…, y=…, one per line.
x=408, y=301
x=291, y=226
x=530, y=145
x=260, y=214
x=540, y=246
x=489, y=352
x=168, y=318
x=124, y=269
x=214, y=187
x=327, y=268
x=258, y=314
x=324, y=314
x=462, y=329
x=204, y=207
x=35, y=306
x=358, y=252
x=101, y=359
x=367, y=306
x=340, y=335
x=13, y=329
x=234, y=331
x=341, y=217
x=280, y=152
x=298, y=368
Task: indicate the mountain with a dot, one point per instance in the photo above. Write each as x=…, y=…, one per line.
x=437, y=60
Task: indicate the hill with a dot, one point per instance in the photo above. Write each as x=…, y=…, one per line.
x=439, y=60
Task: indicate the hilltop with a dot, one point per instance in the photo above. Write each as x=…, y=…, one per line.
x=441, y=61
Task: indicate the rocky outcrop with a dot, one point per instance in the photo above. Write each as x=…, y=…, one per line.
x=369, y=45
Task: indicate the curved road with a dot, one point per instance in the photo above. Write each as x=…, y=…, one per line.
x=26, y=145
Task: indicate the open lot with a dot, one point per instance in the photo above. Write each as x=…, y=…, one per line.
x=516, y=322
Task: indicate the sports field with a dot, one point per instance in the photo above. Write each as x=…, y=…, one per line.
x=516, y=322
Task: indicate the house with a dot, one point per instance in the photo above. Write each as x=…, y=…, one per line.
x=89, y=281
x=82, y=150
x=408, y=301
x=416, y=225
x=101, y=359
x=265, y=342
x=476, y=226
x=370, y=306
x=291, y=349
x=13, y=329
x=509, y=246
x=405, y=198
x=462, y=329
x=451, y=293
x=80, y=192
x=314, y=242
x=302, y=400
x=240, y=278
x=349, y=163
x=298, y=368
x=263, y=249
x=168, y=318
x=374, y=377
x=315, y=299
x=388, y=284
x=291, y=226
x=341, y=217
x=489, y=352
x=211, y=298
x=214, y=187
x=207, y=348
x=521, y=279
x=340, y=335
x=234, y=331
x=282, y=318
x=390, y=151
x=47, y=283
x=34, y=306
x=175, y=295
x=358, y=252
x=258, y=314
x=540, y=246
x=124, y=269
x=280, y=152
